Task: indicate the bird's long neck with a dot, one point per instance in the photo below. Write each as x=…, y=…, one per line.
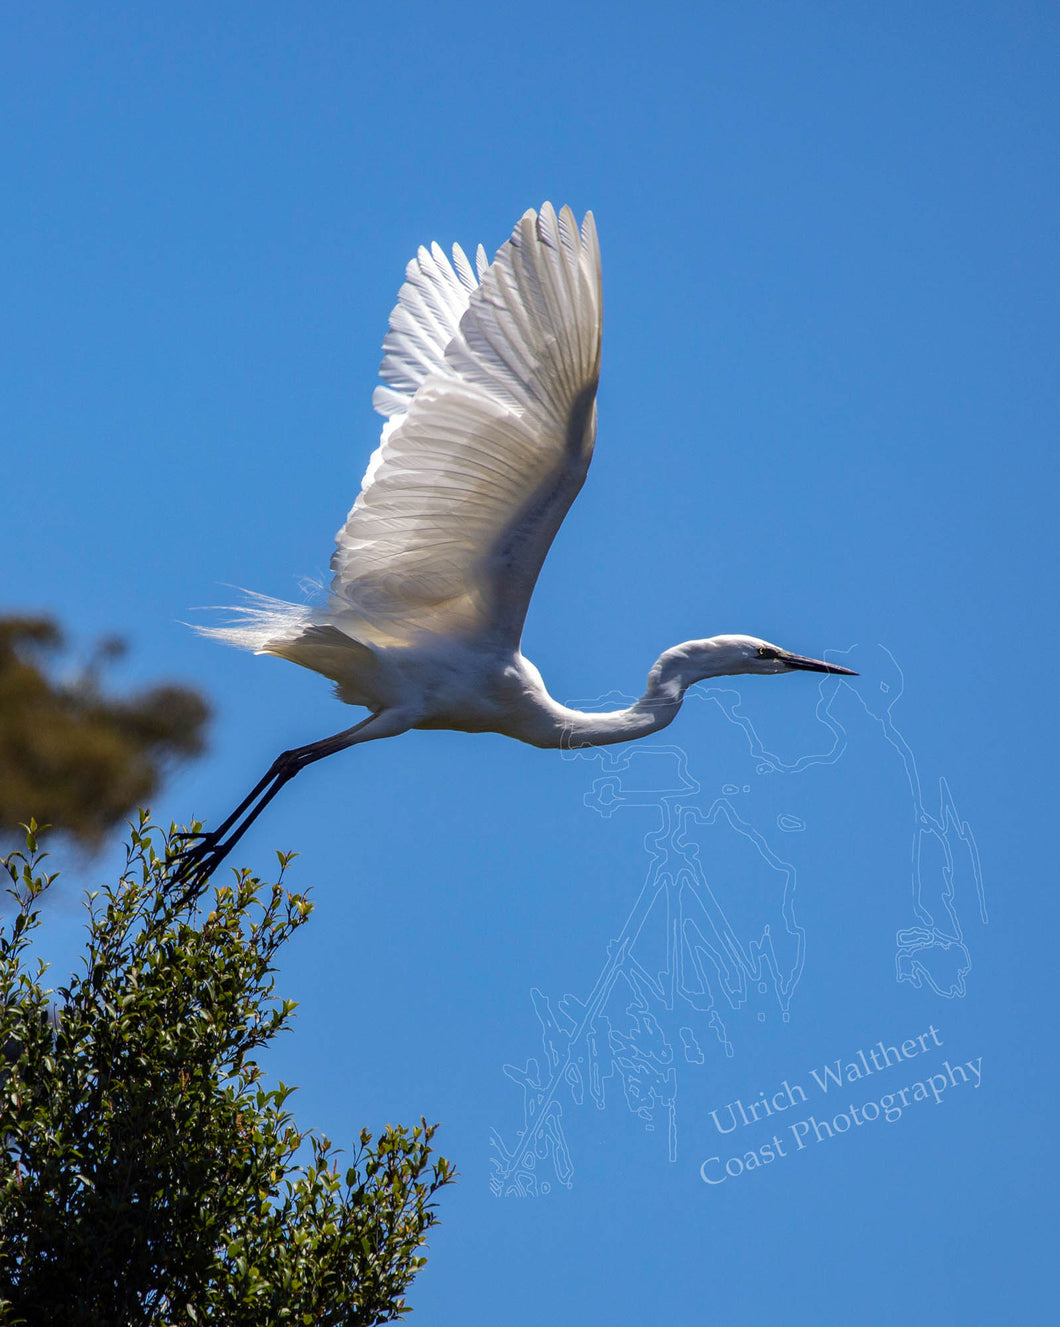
x=672, y=674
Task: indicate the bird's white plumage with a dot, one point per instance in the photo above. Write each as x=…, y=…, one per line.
x=489, y=389
x=425, y=319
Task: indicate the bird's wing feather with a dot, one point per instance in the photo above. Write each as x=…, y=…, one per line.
x=489, y=389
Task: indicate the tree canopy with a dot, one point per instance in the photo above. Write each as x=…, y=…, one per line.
x=148, y=1175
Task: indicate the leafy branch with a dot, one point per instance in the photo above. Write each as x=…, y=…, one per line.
x=148, y=1175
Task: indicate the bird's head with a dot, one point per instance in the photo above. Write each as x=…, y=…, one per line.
x=729, y=655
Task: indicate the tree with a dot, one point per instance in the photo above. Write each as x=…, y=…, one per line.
x=147, y=1173
x=70, y=755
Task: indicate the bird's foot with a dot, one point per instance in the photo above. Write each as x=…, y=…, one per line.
x=192, y=866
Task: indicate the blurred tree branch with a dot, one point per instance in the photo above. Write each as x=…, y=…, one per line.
x=70, y=755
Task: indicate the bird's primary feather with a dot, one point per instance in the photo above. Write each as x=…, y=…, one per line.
x=487, y=443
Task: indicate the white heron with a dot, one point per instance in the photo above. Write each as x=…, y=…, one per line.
x=489, y=386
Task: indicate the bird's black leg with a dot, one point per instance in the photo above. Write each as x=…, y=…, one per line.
x=194, y=865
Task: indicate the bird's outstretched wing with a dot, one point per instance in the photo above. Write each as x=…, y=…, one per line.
x=489, y=393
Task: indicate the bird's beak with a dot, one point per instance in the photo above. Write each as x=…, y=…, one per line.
x=815, y=665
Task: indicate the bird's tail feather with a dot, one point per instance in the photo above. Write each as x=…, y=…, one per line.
x=298, y=633
x=261, y=624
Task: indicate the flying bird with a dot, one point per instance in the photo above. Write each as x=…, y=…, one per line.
x=489, y=380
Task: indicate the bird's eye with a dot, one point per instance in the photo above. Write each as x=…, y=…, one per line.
x=764, y=652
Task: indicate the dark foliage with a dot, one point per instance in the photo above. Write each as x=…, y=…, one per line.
x=147, y=1174
x=71, y=756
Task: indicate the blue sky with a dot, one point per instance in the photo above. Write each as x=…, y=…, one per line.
x=827, y=417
